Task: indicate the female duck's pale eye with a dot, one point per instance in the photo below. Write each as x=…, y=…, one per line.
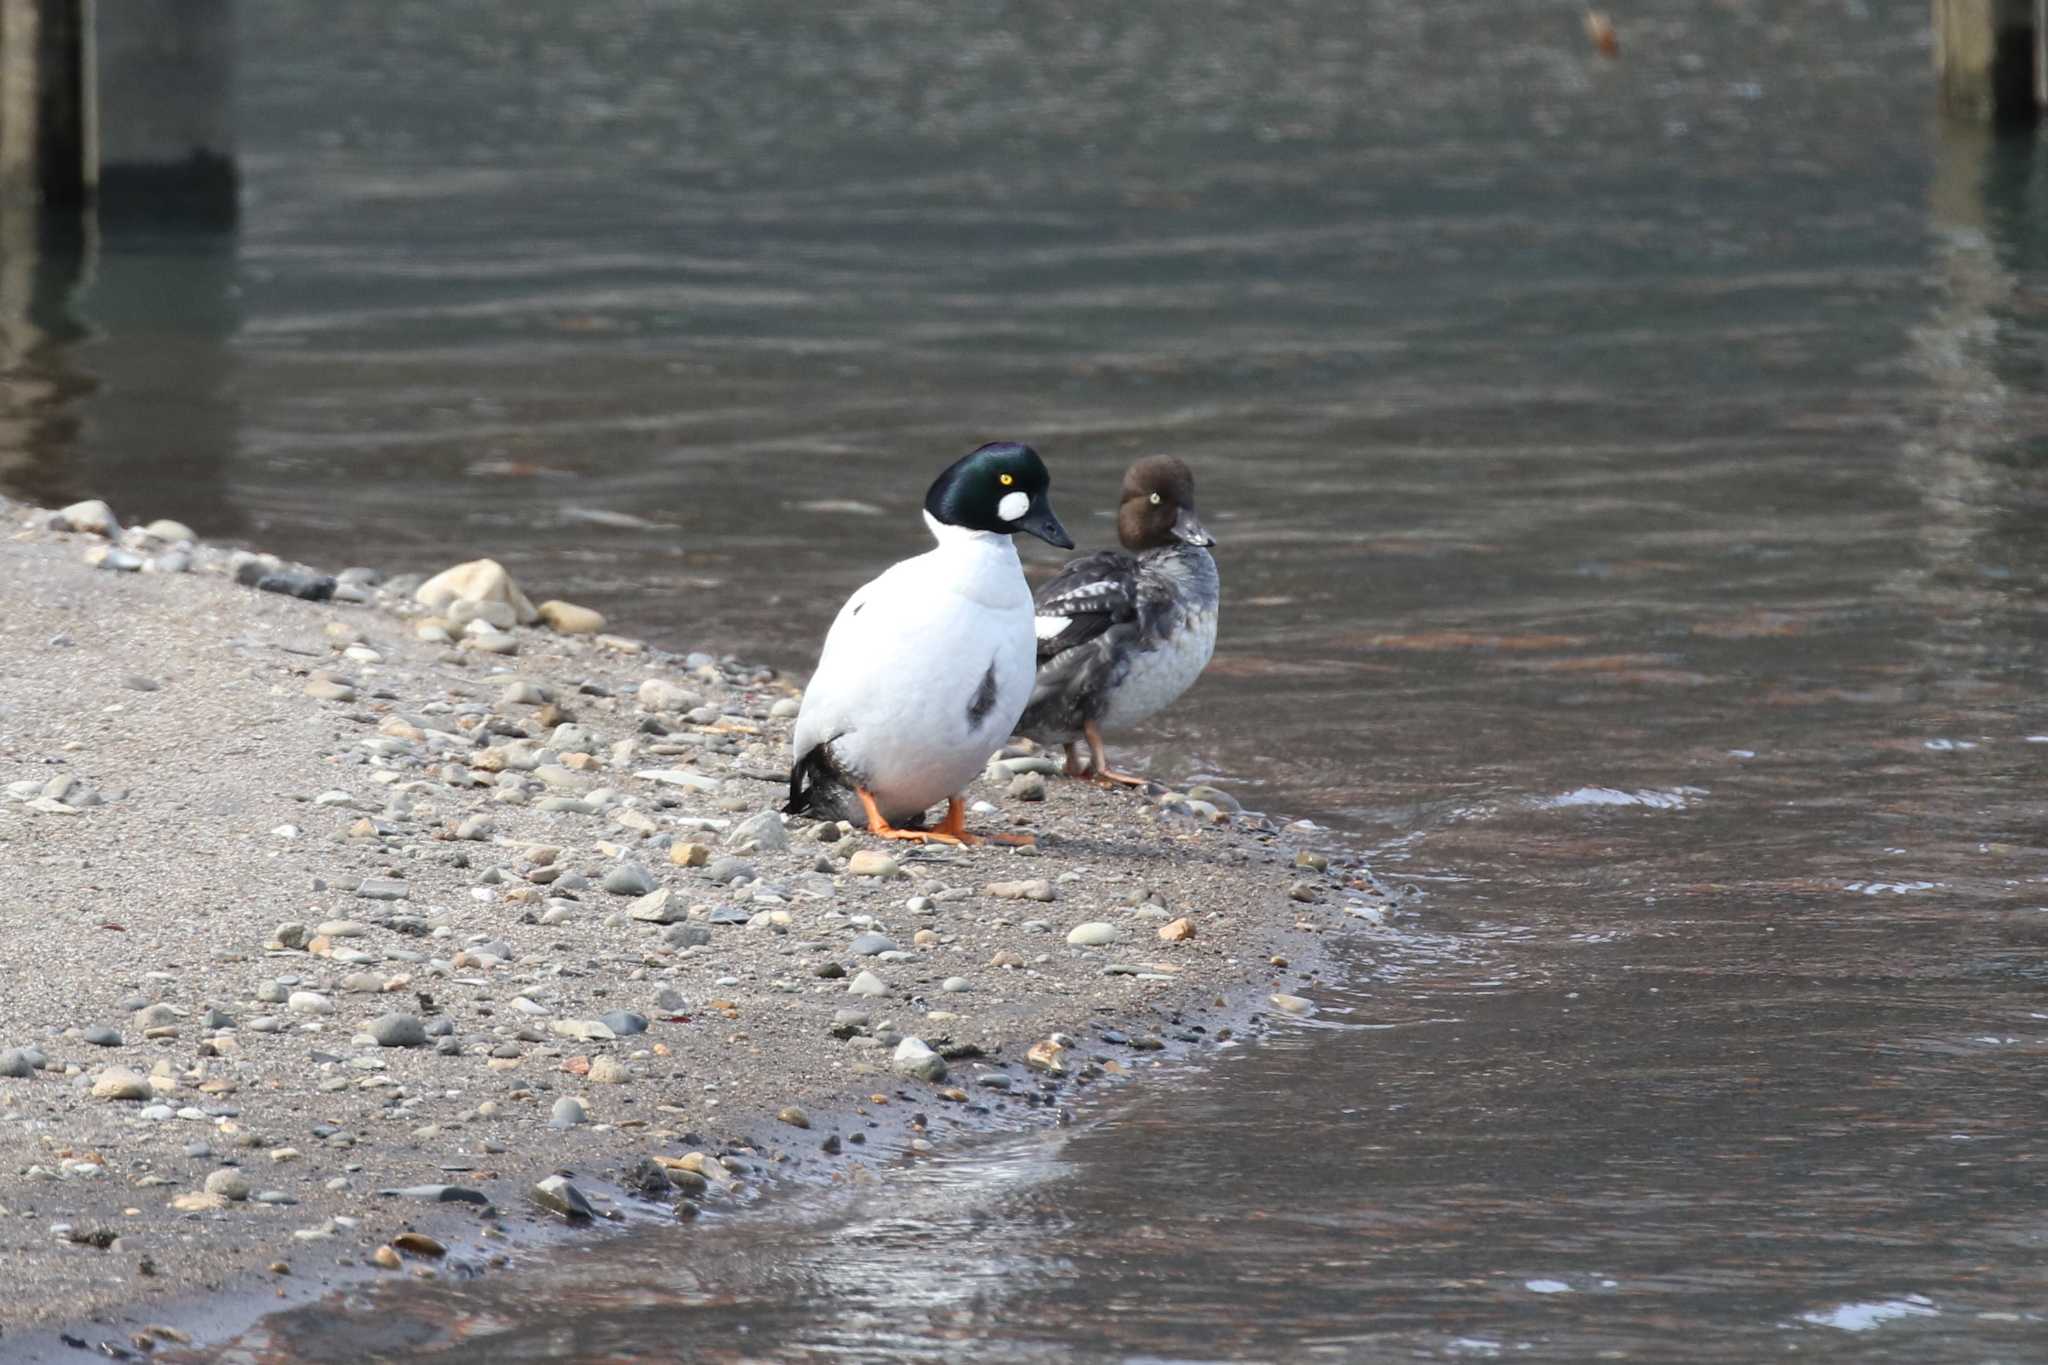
x=1155, y=499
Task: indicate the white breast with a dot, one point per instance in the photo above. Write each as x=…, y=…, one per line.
x=1159, y=674
x=905, y=660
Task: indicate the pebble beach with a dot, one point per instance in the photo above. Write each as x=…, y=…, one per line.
x=361, y=926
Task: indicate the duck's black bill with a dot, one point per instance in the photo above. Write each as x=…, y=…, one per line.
x=1188, y=527
x=1039, y=521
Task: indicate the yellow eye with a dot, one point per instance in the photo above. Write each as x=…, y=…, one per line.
x=1007, y=479
x=1155, y=499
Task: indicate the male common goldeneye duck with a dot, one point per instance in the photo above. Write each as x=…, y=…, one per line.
x=1121, y=633
x=927, y=667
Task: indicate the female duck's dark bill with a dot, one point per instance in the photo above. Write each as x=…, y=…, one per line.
x=1188, y=527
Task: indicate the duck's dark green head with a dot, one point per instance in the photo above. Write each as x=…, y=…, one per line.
x=1000, y=487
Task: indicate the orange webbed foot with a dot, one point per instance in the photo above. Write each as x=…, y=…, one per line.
x=880, y=827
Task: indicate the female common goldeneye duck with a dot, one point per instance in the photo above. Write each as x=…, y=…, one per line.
x=927, y=667
x=1121, y=633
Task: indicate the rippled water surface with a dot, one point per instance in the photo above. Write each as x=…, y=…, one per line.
x=1629, y=479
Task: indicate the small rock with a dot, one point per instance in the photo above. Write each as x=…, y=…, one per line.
x=1177, y=931
x=568, y=1112
x=164, y=529
x=658, y=907
x=659, y=694
x=570, y=619
x=419, y=1244
x=794, y=1117
x=479, y=580
x=725, y=870
x=763, y=832
x=119, y=1083
x=912, y=1058
x=954, y=985
x=610, y=1071
x=15, y=1064
x=689, y=855
x=229, y=1184
x=1093, y=934
x=91, y=517
x=102, y=1037
x=629, y=879
x=1049, y=1056
x=1292, y=1004
x=386, y=1256
x=1037, y=889
x=872, y=862
x=558, y=1196
x=398, y=1030
x=307, y=587
x=624, y=1023
x=1216, y=797
x=1028, y=787
x=439, y=1194
x=868, y=945
x=866, y=983
x=1314, y=862
x=383, y=889
x=309, y=1002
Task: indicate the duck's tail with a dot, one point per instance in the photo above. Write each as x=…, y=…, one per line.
x=817, y=784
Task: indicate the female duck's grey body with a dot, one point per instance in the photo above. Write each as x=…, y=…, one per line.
x=1122, y=633
x=927, y=667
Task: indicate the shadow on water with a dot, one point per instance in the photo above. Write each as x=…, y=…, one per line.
x=1629, y=480
x=41, y=384
x=116, y=367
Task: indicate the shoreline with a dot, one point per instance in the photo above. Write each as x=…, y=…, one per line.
x=355, y=906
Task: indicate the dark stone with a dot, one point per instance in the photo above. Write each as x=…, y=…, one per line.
x=291, y=583
x=440, y=1194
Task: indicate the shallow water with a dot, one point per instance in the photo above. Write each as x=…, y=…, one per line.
x=1628, y=479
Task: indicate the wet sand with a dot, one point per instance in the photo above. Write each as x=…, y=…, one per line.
x=306, y=909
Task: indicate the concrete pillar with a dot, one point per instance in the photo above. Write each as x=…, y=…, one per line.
x=1984, y=59
x=166, y=109
x=46, y=101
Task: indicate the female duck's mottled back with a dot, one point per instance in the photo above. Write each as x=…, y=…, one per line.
x=1122, y=633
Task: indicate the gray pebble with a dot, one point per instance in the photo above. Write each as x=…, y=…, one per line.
x=763, y=831
x=398, y=1030
x=557, y=1195
x=629, y=879
x=624, y=1022
x=867, y=945
x=724, y=870
x=567, y=1113
x=102, y=1037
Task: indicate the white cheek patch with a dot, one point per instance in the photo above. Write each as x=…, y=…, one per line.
x=1013, y=506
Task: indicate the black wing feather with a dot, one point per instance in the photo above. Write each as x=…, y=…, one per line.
x=1093, y=593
